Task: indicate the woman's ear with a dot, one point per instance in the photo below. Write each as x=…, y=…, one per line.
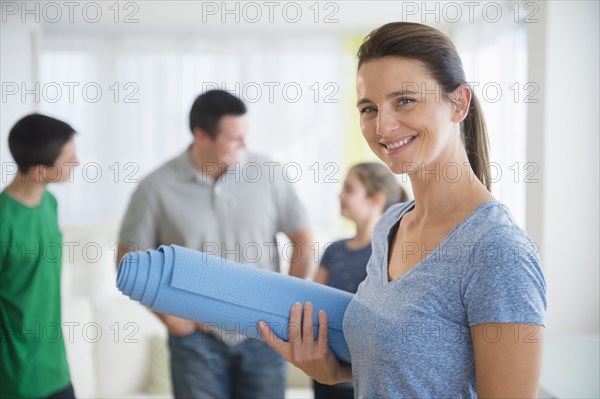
x=461, y=99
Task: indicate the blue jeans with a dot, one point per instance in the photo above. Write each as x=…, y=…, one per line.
x=66, y=393
x=344, y=390
x=204, y=367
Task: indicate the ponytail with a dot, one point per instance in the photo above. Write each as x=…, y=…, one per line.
x=476, y=143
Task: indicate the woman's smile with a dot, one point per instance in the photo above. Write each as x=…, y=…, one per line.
x=398, y=145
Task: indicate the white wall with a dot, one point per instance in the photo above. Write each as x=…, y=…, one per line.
x=564, y=127
x=17, y=44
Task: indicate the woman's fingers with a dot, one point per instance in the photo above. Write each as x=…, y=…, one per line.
x=301, y=334
x=308, y=334
x=323, y=337
x=273, y=341
x=308, y=326
x=294, y=345
x=316, y=360
x=295, y=329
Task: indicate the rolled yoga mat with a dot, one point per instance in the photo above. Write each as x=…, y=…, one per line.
x=228, y=295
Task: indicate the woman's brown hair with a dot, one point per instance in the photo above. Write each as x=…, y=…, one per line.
x=438, y=54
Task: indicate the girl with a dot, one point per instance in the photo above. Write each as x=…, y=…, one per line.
x=369, y=189
x=454, y=300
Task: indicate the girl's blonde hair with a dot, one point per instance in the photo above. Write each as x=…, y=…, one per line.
x=378, y=178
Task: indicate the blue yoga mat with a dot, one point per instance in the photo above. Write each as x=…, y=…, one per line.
x=228, y=295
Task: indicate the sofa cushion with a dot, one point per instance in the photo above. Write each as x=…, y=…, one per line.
x=160, y=369
x=122, y=354
x=76, y=316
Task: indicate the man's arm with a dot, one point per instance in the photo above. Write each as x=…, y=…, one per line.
x=301, y=257
x=122, y=251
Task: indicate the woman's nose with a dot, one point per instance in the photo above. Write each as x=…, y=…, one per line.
x=387, y=123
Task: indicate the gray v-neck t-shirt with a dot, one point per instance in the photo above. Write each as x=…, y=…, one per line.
x=411, y=337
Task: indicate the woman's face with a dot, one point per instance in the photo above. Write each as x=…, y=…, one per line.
x=354, y=202
x=405, y=119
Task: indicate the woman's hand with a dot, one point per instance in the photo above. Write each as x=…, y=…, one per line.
x=314, y=358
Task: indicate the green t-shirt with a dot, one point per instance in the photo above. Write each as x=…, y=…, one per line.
x=32, y=349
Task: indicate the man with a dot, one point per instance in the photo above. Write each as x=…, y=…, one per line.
x=32, y=349
x=208, y=199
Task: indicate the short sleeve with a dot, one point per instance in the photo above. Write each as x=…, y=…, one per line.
x=505, y=282
x=138, y=229
x=291, y=215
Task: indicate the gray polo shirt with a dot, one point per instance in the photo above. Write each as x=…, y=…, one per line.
x=235, y=216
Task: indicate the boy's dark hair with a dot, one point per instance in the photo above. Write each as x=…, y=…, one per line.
x=210, y=107
x=38, y=140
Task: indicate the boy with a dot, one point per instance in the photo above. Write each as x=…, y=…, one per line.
x=32, y=349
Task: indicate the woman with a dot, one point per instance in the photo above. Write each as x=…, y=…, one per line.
x=369, y=190
x=454, y=298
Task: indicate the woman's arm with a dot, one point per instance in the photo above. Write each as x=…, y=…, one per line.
x=508, y=359
x=322, y=276
x=313, y=357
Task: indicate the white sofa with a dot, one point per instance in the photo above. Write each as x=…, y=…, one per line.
x=115, y=346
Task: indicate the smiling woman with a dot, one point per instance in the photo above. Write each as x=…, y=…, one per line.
x=420, y=76
x=454, y=296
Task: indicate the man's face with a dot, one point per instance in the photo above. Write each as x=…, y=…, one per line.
x=231, y=138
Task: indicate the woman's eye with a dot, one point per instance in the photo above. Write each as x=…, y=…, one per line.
x=405, y=101
x=367, y=110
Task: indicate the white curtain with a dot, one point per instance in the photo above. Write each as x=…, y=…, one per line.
x=494, y=56
x=290, y=85
x=148, y=84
